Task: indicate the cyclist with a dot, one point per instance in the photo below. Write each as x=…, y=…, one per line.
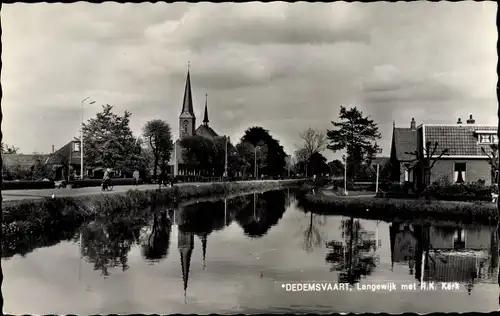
x=106, y=180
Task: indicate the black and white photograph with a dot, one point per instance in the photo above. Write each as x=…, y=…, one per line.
x=249, y=158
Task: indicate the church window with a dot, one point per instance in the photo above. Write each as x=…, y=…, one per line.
x=185, y=127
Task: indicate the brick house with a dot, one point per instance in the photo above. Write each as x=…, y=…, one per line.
x=464, y=162
x=66, y=161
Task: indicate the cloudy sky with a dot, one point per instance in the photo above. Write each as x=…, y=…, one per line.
x=282, y=66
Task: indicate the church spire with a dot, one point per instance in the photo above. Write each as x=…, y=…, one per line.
x=204, y=238
x=187, y=104
x=185, y=244
x=205, y=117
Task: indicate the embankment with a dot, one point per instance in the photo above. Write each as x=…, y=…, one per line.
x=391, y=209
x=48, y=212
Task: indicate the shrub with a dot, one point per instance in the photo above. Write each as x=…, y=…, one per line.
x=27, y=185
x=459, y=192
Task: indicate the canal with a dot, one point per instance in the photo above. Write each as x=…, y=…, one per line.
x=253, y=254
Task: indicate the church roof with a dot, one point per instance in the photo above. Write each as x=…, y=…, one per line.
x=205, y=130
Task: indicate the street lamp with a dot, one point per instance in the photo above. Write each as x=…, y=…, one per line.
x=81, y=138
x=346, y=154
x=255, y=162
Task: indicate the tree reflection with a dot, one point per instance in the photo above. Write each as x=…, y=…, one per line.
x=352, y=257
x=264, y=212
x=155, y=245
x=106, y=242
x=312, y=234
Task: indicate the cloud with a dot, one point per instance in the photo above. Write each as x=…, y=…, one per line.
x=285, y=66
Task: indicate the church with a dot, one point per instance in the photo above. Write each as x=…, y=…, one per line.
x=187, y=123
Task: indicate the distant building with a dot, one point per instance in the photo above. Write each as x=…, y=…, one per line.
x=66, y=161
x=187, y=123
x=22, y=162
x=464, y=162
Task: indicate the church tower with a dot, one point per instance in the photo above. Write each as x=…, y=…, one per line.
x=187, y=119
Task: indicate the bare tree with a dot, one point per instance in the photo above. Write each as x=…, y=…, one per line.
x=313, y=141
x=427, y=159
x=493, y=161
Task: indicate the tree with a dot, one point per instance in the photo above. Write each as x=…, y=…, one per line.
x=276, y=157
x=493, y=161
x=6, y=149
x=313, y=141
x=336, y=168
x=159, y=137
x=425, y=160
x=109, y=142
x=358, y=134
x=248, y=154
x=197, y=153
x=317, y=164
x=302, y=156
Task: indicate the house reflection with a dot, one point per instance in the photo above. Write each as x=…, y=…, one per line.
x=446, y=252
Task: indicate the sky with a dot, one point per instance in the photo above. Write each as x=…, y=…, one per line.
x=283, y=66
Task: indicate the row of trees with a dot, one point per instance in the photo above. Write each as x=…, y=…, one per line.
x=109, y=142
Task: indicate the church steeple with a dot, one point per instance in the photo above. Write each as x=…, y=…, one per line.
x=187, y=119
x=185, y=243
x=205, y=117
x=187, y=104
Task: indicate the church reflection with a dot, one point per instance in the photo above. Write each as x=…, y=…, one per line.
x=445, y=252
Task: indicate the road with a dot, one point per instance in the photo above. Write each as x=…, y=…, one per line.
x=12, y=195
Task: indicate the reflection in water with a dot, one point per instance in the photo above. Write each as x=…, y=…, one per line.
x=354, y=256
x=416, y=250
x=446, y=253
x=261, y=213
x=155, y=238
x=106, y=245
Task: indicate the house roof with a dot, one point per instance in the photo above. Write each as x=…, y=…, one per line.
x=63, y=155
x=205, y=130
x=22, y=160
x=460, y=140
x=405, y=141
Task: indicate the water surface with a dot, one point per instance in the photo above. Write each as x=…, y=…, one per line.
x=234, y=255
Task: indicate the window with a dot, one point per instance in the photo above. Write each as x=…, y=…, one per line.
x=407, y=175
x=488, y=138
x=76, y=146
x=185, y=127
x=459, y=172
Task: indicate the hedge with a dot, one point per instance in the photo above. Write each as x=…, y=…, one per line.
x=97, y=182
x=27, y=185
x=389, y=209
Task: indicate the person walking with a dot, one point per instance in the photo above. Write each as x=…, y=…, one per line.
x=136, y=177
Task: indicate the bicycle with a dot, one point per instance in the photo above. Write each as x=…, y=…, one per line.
x=107, y=187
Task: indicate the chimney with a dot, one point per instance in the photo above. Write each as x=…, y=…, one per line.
x=52, y=148
x=413, y=125
x=459, y=121
x=471, y=120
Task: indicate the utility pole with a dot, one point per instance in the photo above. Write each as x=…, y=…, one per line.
x=81, y=139
x=225, y=160
x=376, y=185
x=255, y=163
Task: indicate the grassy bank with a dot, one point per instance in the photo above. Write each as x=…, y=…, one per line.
x=45, y=213
x=390, y=209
